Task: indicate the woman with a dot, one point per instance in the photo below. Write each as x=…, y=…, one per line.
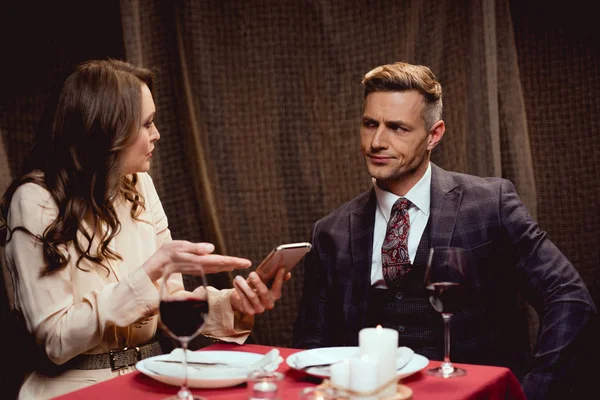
x=87, y=239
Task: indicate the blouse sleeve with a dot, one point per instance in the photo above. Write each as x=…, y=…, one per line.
x=222, y=322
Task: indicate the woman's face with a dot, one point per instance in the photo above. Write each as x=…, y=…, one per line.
x=136, y=157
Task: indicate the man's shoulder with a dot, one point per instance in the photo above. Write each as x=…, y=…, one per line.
x=474, y=180
x=471, y=182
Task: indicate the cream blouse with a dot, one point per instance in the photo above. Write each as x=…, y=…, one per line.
x=91, y=309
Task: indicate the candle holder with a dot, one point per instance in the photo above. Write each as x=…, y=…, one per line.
x=402, y=392
x=263, y=385
x=322, y=392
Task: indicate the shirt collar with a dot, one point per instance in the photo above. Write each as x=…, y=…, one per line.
x=419, y=195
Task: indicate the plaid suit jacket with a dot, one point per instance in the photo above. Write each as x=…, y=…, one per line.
x=508, y=255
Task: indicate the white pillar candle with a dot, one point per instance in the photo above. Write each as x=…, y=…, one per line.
x=340, y=373
x=363, y=376
x=381, y=344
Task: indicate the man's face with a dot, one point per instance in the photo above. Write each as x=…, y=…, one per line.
x=394, y=140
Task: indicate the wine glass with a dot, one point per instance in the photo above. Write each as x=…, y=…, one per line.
x=446, y=280
x=182, y=314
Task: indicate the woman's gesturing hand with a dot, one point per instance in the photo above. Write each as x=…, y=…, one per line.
x=252, y=296
x=189, y=256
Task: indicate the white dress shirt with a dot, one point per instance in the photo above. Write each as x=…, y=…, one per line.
x=418, y=212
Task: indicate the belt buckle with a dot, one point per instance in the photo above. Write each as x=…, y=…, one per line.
x=113, y=356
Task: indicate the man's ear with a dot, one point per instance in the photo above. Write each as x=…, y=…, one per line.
x=435, y=134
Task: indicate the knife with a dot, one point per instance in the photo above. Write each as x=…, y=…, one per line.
x=206, y=363
x=398, y=366
x=267, y=359
x=407, y=354
x=403, y=364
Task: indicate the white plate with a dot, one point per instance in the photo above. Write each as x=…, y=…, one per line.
x=416, y=363
x=211, y=376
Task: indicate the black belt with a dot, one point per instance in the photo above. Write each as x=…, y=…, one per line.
x=115, y=359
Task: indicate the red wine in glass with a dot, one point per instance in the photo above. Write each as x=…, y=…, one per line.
x=445, y=277
x=182, y=315
x=447, y=297
x=183, y=318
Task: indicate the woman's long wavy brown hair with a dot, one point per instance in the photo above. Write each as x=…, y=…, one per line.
x=78, y=160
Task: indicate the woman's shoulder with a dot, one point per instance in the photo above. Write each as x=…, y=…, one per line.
x=145, y=185
x=144, y=179
x=32, y=204
x=31, y=192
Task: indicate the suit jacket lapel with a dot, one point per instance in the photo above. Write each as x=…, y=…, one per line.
x=446, y=197
x=362, y=225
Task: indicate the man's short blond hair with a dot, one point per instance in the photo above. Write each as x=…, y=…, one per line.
x=400, y=77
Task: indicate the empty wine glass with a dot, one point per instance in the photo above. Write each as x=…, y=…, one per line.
x=446, y=280
x=182, y=314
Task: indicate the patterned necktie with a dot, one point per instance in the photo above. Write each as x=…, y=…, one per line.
x=395, y=260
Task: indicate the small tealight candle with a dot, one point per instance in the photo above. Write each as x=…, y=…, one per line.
x=363, y=376
x=340, y=373
x=264, y=390
x=381, y=344
x=262, y=385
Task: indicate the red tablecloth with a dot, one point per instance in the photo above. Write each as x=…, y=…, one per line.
x=481, y=382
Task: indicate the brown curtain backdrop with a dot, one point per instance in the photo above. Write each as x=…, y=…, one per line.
x=259, y=104
x=559, y=62
x=260, y=113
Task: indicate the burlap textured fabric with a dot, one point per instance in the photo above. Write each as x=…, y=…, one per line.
x=259, y=105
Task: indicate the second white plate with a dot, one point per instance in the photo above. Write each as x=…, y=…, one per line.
x=416, y=363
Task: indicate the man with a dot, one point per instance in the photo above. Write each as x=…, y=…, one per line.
x=348, y=287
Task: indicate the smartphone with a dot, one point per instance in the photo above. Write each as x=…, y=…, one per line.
x=285, y=255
